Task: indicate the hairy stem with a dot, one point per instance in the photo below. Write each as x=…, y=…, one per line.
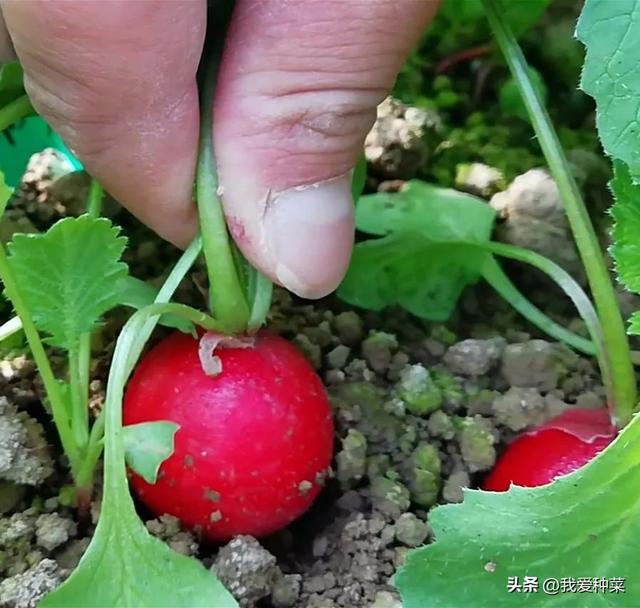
x=14, y=111
x=615, y=353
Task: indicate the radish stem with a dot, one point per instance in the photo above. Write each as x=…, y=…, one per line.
x=171, y=283
x=493, y=274
x=58, y=407
x=14, y=111
x=615, y=354
x=227, y=297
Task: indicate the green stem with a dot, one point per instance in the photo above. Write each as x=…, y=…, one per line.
x=261, y=290
x=10, y=328
x=171, y=283
x=615, y=345
x=58, y=408
x=80, y=372
x=94, y=198
x=129, y=346
x=14, y=111
x=227, y=296
x=79, y=407
x=493, y=274
x=571, y=288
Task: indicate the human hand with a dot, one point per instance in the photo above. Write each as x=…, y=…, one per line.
x=297, y=92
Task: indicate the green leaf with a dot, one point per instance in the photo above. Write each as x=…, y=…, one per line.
x=610, y=31
x=586, y=524
x=441, y=214
x=626, y=228
x=634, y=324
x=520, y=14
x=408, y=269
x=11, y=83
x=69, y=275
x=423, y=264
x=126, y=567
x=510, y=100
x=137, y=294
x=147, y=445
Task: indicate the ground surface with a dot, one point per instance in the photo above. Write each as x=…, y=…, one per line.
x=421, y=409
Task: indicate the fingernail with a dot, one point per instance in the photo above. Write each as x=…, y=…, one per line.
x=309, y=232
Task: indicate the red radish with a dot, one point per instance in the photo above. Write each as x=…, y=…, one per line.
x=255, y=441
x=558, y=447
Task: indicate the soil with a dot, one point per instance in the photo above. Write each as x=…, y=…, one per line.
x=422, y=409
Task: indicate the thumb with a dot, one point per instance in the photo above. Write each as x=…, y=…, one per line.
x=297, y=93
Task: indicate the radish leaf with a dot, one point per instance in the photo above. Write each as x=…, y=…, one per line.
x=69, y=275
x=442, y=214
x=626, y=229
x=409, y=269
x=586, y=524
x=422, y=264
x=611, y=33
x=147, y=445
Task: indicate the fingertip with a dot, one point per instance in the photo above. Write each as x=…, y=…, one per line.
x=309, y=235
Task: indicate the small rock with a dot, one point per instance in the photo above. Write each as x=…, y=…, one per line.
x=20, y=526
x=320, y=546
x=395, y=147
x=53, y=530
x=337, y=358
x=474, y=357
x=452, y=490
x=440, y=425
x=27, y=589
x=351, y=460
x=534, y=218
x=286, y=590
x=476, y=444
x=246, y=569
x=24, y=453
x=348, y=325
x=377, y=349
x=386, y=599
x=311, y=351
x=479, y=179
x=532, y=364
x=422, y=474
x=417, y=389
x=520, y=408
x=589, y=400
x=410, y=530
x=314, y=584
x=389, y=497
